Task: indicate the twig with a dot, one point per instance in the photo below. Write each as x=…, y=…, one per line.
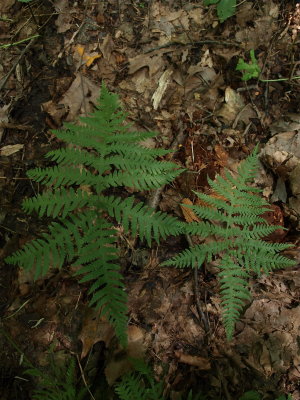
x=5, y=79
x=223, y=382
x=83, y=377
x=200, y=42
x=155, y=197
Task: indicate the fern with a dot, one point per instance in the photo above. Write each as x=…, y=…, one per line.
x=234, y=218
x=140, y=384
x=102, y=153
x=58, y=384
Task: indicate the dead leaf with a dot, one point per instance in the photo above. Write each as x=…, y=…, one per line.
x=264, y=27
x=196, y=361
x=245, y=13
x=5, y=5
x=221, y=154
x=94, y=329
x=78, y=100
x=10, y=149
x=233, y=105
x=187, y=212
x=86, y=57
x=63, y=21
x=120, y=363
x=107, y=47
x=163, y=83
x=197, y=14
x=4, y=112
x=154, y=63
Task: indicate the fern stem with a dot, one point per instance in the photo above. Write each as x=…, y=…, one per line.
x=203, y=317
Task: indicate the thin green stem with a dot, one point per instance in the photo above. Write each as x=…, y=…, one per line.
x=6, y=46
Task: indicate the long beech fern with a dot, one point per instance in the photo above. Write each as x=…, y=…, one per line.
x=102, y=153
x=233, y=217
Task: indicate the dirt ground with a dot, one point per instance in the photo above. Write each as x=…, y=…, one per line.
x=173, y=65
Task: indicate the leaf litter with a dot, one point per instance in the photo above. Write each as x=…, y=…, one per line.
x=173, y=66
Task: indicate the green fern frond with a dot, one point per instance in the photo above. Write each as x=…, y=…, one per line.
x=102, y=152
x=96, y=259
x=56, y=203
x=58, y=384
x=196, y=255
x=53, y=249
x=140, y=384
x=140, y=219
x=235, y=221
x=139, y=179
x=76, y=156
x=130, y=388
x=62, y=176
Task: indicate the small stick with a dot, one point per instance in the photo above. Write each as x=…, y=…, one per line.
x=198, y=43
x=5, y=79
x=154, y=199
x=83, y=377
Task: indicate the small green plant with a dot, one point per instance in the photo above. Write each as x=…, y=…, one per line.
x=251, y=395
x=234, y=219
x=249, y=70
x=139, y=384
x=59, y=383
x=6, y=46
x=225, y=8
x=102, y=154
x=252, y=70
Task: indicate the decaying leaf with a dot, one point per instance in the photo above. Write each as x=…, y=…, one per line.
x=188, y=213
x=10, y=149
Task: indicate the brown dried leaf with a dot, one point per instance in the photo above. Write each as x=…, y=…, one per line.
x=94, y=329
x=196, y=361
x=188, y=213
x=10, y=149
x=5, y=5
x=120, y=363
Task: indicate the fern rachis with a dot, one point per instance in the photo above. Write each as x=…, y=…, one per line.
x=234, y=218
x=102, y=153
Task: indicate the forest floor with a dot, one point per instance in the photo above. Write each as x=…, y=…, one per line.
x=173, y=65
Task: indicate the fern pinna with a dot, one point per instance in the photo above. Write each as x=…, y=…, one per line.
x=102, y=153
x=234, y=219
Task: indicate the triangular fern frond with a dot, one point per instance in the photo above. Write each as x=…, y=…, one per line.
x=102, y=152
x=234, y=220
